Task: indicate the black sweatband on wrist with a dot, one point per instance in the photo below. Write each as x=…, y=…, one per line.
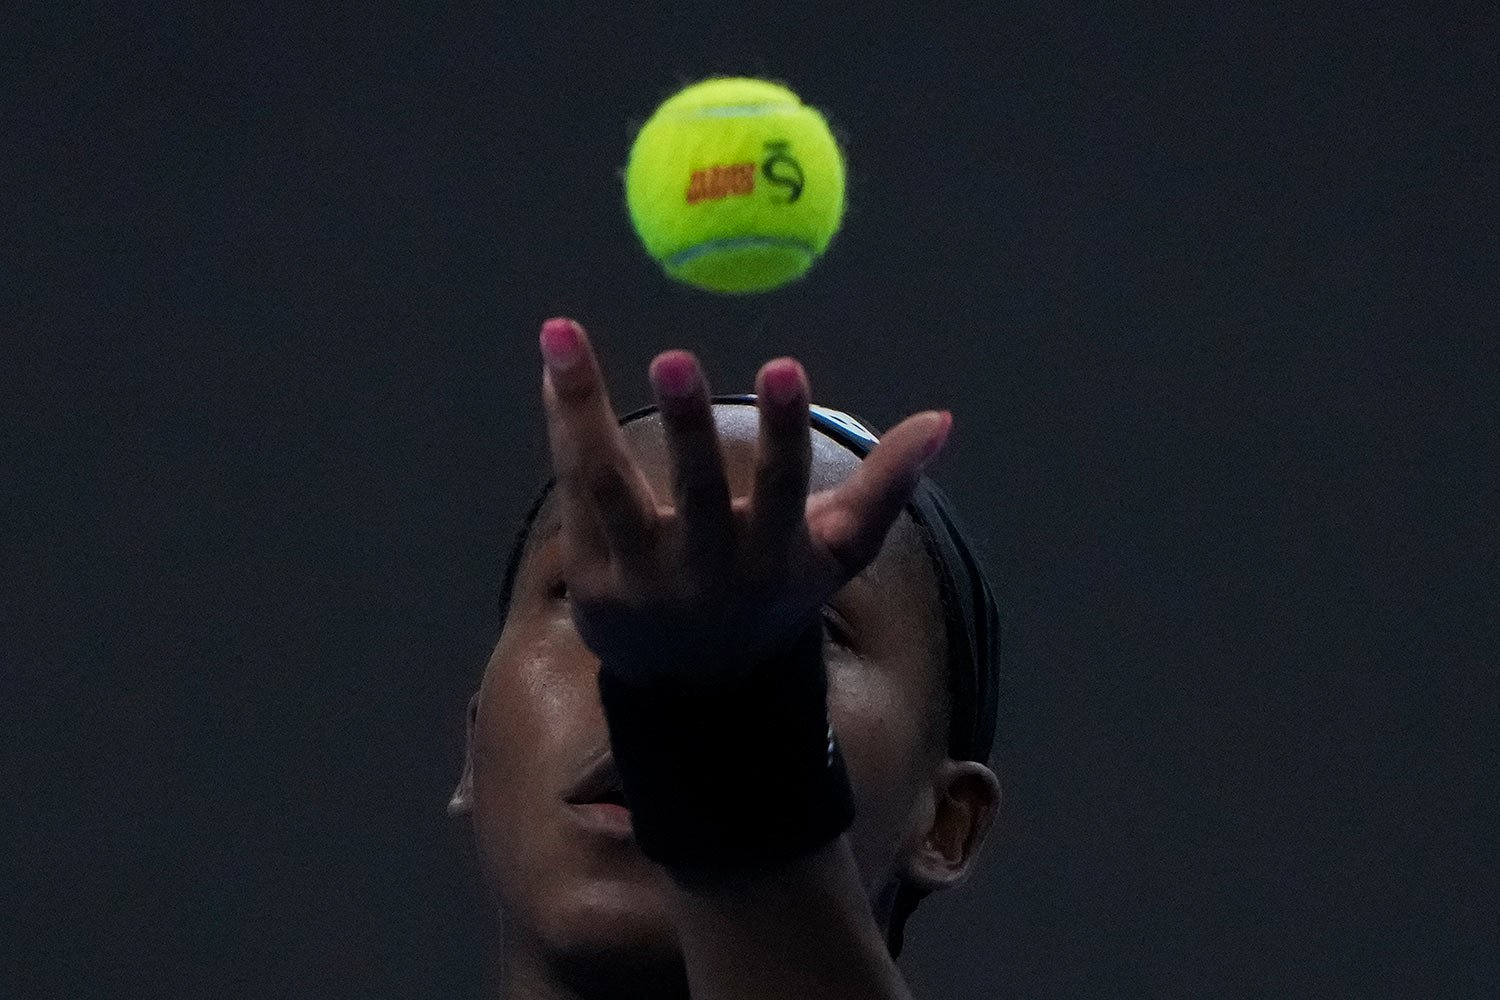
x=731, y=779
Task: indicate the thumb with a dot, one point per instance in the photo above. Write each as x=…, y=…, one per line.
x=850, y=521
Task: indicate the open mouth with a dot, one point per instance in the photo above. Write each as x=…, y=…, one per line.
x=600, y=784
x=597, y=800
x=612, y=797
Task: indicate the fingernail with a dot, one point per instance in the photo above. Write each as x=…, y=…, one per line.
x=939, y=437
x=560, y=344
x=675, y=376
x=783, y=384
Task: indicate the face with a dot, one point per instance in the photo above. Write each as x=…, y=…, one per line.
x=537, y=724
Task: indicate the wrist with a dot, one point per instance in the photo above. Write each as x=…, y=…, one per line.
x=742, y=776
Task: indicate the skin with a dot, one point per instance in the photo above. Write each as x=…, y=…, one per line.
x=584, y=916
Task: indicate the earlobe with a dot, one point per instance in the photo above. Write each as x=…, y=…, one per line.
x=966, y=797
x=462, y=801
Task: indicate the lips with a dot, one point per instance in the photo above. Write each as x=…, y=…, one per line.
x=597, y=803
x=600, y=783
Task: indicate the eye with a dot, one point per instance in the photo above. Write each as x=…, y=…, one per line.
x=834, y=628
x=557, y=590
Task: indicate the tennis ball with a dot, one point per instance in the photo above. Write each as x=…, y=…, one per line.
x=734, y=185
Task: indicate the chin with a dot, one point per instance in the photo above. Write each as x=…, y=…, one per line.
x=610, y=921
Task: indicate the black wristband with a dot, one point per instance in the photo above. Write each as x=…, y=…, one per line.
x=743, y=777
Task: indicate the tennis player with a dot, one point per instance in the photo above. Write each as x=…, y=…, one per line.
x=739, y=716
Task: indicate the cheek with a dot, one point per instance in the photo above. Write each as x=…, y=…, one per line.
x=871, y=711
x=535, y=701
x=875, y=724
x=535, y=711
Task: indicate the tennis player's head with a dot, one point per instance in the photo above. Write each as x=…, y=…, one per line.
x=910, y=649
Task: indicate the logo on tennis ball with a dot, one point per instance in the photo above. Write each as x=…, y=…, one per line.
x=790, y=175
x=735, y=179
x=713, y=183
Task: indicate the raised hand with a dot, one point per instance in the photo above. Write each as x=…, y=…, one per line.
x=698, y=585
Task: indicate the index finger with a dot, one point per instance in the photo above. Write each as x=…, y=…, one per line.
x=605, y=501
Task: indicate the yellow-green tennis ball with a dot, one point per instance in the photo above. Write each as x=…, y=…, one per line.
x=734, y=185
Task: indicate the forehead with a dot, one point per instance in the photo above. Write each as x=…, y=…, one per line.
x=903, y=557
x=738, y=426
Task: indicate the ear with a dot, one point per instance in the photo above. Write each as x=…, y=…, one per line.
x=462, y=802
x=965, y=798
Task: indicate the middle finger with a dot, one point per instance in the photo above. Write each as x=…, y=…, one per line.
x=783, y=457
x=699, y=487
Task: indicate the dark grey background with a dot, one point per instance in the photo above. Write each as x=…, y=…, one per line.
x=1210, y=295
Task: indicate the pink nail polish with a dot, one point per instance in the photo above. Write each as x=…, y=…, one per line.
x=782, y=384
x=560, y=344
x=675, y=376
